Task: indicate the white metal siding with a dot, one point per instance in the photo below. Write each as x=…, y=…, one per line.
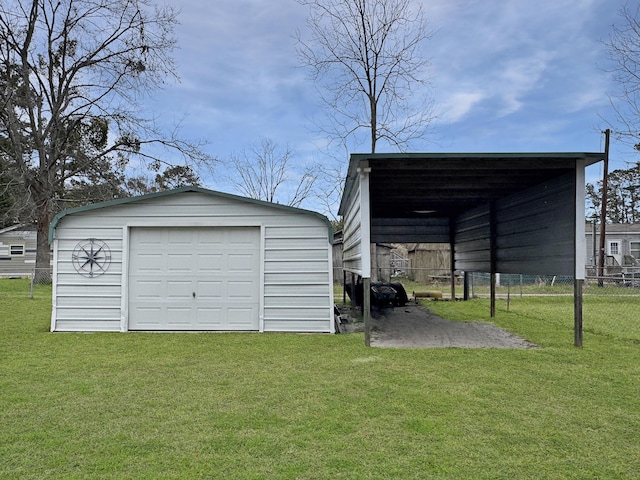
x=81, y=303
x=352, y=240
x=298, y=291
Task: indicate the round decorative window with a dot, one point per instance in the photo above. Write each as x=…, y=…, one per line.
x=91, y=257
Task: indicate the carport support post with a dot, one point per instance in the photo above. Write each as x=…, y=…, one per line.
x=354, y=303
x=344, y=287
x=577, y=312
x=579, y=249
x=493, y=235
x=366, y=310
x=452, y=256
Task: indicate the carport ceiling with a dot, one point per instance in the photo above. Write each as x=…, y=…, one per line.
x=437, y=185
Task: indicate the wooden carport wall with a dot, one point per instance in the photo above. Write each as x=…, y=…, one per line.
x=433, y=195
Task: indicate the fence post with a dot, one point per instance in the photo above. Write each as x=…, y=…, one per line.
x=466, y=287
x=33, y=277
x=492, y=294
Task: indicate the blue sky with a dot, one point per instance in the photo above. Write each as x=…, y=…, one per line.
x=506, y=75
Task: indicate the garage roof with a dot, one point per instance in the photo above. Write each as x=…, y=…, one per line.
x=439, y=185
x=164, y=193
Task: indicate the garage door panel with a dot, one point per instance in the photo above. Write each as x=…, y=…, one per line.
x=179, y=263
x=148, y=263
x=240, y=262
x=149, y=289
x=151, y=242
x=178, y=317
x=240, y=317
x=210, y=318
x=179, y=290
x=220, y=265
x=210, y=290
x=208, y=262
x=241, y=290
x=148, y=317
x=210, y=237
x=180, y=237
x=237, y=238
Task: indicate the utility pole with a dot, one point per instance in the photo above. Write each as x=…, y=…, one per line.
x=603, y=214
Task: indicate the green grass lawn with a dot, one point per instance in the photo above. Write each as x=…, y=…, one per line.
x=262, y=406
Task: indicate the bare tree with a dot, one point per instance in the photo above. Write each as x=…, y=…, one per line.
x=329, y=190
x=623, y=47
x=264, y=172
x=365, y=57
x=72, y=73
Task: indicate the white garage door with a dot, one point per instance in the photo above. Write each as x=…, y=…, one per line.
x=194, y=278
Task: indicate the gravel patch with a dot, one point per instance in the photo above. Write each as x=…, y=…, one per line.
x=414, y=326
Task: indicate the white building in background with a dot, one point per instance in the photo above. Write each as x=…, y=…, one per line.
x=17, y=250
x=621, y=246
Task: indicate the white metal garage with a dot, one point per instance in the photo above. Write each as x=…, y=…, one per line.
x=191, y=260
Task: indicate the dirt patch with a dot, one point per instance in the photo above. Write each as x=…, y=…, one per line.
x=414, y=326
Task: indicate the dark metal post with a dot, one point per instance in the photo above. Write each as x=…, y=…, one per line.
x=466, y=286
x=492, y=280
x=577, y=312
x=452, y=256
x=493, y=255
x=594, y=245
x=603, y=211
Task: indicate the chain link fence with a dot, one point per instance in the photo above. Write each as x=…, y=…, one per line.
x=611, y=304
x=35, y=283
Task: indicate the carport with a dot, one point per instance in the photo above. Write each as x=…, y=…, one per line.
x=520, y=213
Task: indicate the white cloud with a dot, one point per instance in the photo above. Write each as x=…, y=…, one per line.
x=457, y=105
x=516, y=79
x=530, y=59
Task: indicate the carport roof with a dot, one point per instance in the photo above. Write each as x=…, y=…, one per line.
x=436, y=185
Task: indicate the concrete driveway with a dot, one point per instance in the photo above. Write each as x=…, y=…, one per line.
x=414, y=326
